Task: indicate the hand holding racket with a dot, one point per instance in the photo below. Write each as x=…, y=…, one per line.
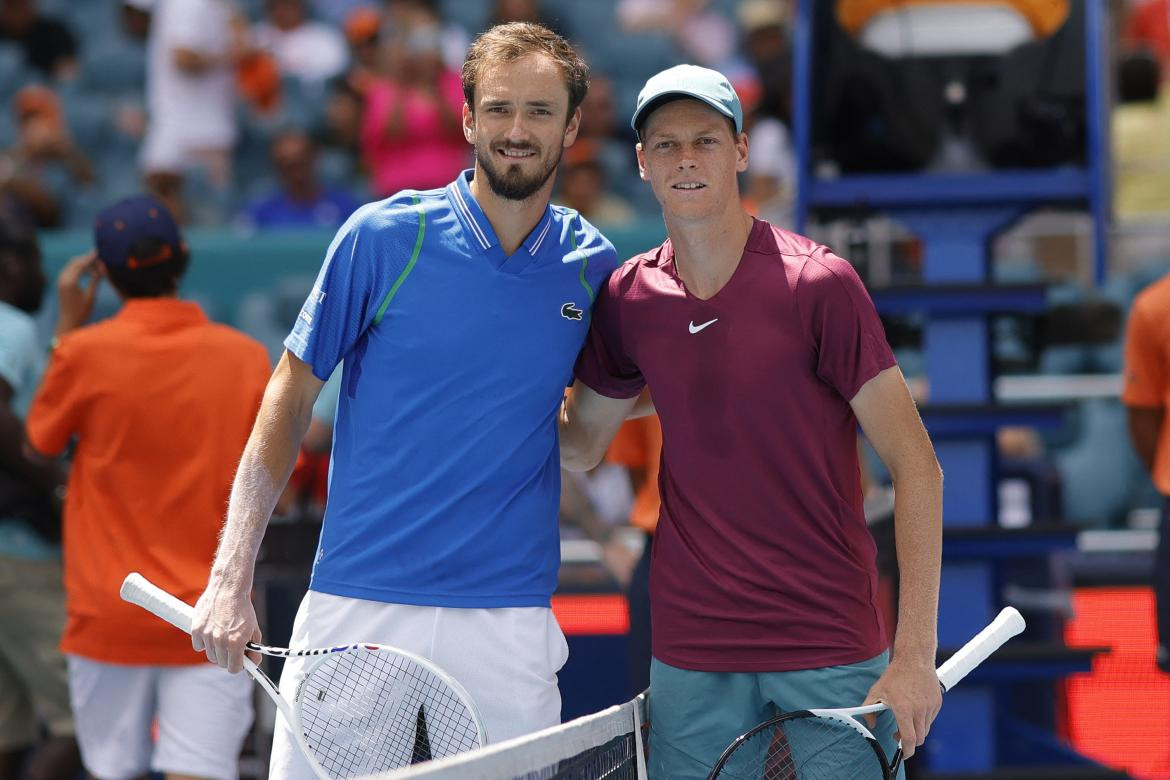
x=833, y=744
x=358, y=709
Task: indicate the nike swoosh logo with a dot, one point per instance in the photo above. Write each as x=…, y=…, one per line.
x=693, y=328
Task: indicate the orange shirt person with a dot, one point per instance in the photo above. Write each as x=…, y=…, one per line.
x=1145, y=394
x=638, y=447
x=160, y=402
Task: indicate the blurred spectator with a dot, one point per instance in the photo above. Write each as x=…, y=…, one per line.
x=599, y=119
x=363, y=30
x=258, y=82
x=506, y=11
x=305, y=49
x=706, y=36
x=582, y=186
x=597, y=502
x=128, y=92
x=194, y=46
x=135, y=18
x=1147, y=26
x=48, y=45
x=45, y=161
x=770, y=181
x=337, y=11
x=301, y=201
x=344, y=102
x=611, y=139
x=34, y=689
x=412, y=130
x=343, y=122
x=766, y=44
x=403, y=15
x=1141, y=141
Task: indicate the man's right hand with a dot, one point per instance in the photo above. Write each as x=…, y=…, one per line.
x=75, y=296
x=224, y=622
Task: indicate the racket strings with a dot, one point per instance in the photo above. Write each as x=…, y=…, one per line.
x=805, y=748
x=365, y=711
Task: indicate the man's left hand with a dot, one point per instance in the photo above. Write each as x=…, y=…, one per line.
x=911, y=690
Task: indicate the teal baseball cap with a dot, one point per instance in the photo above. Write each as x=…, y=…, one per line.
x=691, y=81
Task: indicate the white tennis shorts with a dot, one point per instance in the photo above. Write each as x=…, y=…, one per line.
x=506, y=658
x=203, y=715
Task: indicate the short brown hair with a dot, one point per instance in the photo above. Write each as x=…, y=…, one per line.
x=510, y=42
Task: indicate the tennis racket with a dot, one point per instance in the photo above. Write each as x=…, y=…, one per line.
x=359, y=709
x=833, y=744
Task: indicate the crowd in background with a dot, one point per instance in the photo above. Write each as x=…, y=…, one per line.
x=286, y=113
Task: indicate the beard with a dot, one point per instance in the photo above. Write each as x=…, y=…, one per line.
x=512, y=184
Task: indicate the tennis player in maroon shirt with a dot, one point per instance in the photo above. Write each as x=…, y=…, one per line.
x=763, y=352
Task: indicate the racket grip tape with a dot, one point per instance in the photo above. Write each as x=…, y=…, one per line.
x=1007, y=624
x=138, y=590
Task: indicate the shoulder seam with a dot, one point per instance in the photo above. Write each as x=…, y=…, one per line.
x=811, y=258
x=584, y=258
x=418, y=242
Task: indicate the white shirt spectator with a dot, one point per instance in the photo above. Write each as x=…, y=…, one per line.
x=705, y=34
x=21, y=363
x=188, y=112
x=21, y=356
x=312, y=51
x=772, y=170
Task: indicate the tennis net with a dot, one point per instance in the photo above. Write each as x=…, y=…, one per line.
x=604, y=746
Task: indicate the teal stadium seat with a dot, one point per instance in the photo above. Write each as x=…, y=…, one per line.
x=471, y=14
x=91, y=121
x=115, y=68
x=14, y=74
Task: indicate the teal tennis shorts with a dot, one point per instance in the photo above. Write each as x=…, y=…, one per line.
x=694, y=716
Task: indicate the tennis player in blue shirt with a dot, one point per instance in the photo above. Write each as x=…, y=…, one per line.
x=458, y=313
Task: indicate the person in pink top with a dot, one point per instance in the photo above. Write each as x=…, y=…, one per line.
x=763, y=352
x=411, y=131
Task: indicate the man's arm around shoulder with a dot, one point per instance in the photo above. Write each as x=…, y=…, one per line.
x=588, y=422
x=224, y=618
x=890, y=420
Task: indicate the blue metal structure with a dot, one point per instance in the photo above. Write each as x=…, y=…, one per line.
x=956, y=216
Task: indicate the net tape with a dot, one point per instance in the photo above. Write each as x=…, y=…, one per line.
x=602, y=746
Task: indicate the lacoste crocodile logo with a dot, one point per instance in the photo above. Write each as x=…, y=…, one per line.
x=570, y=312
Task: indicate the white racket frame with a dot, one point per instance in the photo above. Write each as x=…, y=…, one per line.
x=1008, y=623
x=136, y=589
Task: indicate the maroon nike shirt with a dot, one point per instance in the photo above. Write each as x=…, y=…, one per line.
x=762, y=560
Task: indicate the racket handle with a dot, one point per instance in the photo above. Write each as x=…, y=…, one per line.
x=1007, y=624
x=138, y=590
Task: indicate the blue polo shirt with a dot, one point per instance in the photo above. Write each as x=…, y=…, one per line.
x=445, y=479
